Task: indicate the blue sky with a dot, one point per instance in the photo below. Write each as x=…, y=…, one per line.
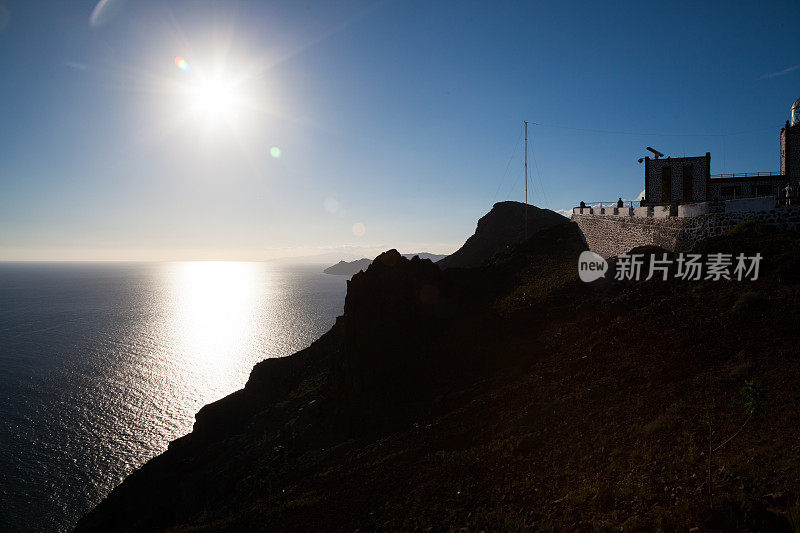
x=404, y=117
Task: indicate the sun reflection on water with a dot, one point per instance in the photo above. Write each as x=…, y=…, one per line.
x=215, y=306
x=214, y=311
x=114, y=361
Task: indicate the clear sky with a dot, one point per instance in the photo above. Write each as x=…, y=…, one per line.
x=397, y=124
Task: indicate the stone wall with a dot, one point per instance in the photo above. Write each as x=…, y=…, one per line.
x=610, y=235
x=613, y=235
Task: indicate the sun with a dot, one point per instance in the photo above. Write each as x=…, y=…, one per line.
x=217, y=96
x=214, y=99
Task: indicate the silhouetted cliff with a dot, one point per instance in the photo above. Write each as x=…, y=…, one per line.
x=503, y=397
x=500, y=228
x=348, y=268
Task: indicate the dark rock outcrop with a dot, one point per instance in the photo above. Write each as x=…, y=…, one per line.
x=348, y=268
x=395, y=301
x=500, y=228
x=425, y=255
x=412, y=337
x=507, y=396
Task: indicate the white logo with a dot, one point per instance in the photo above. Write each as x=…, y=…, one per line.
x=591, y=266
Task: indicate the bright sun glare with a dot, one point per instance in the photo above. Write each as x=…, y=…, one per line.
x=212, y=99
x=211, y=95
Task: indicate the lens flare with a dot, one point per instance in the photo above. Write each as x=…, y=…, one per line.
x=331, y=204
x=182, y=64
x=104, y=11
x=275, y=152
x=359, y=229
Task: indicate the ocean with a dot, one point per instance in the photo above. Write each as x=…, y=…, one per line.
x=103, y=364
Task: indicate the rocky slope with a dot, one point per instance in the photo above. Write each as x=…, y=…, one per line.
x=506, y=396
x=499, y=229
x=348, y=268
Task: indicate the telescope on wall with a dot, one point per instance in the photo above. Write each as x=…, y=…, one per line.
x=656, y=154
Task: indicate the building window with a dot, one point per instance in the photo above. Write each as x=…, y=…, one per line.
x=666, y=185
x=688, y=182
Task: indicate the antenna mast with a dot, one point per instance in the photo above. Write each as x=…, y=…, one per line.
x=526, y=178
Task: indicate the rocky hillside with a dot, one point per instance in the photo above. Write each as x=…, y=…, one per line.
x=499, y=229
x=503, y=397
x=348, y=268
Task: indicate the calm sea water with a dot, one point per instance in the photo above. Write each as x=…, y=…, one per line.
x=101, y=365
